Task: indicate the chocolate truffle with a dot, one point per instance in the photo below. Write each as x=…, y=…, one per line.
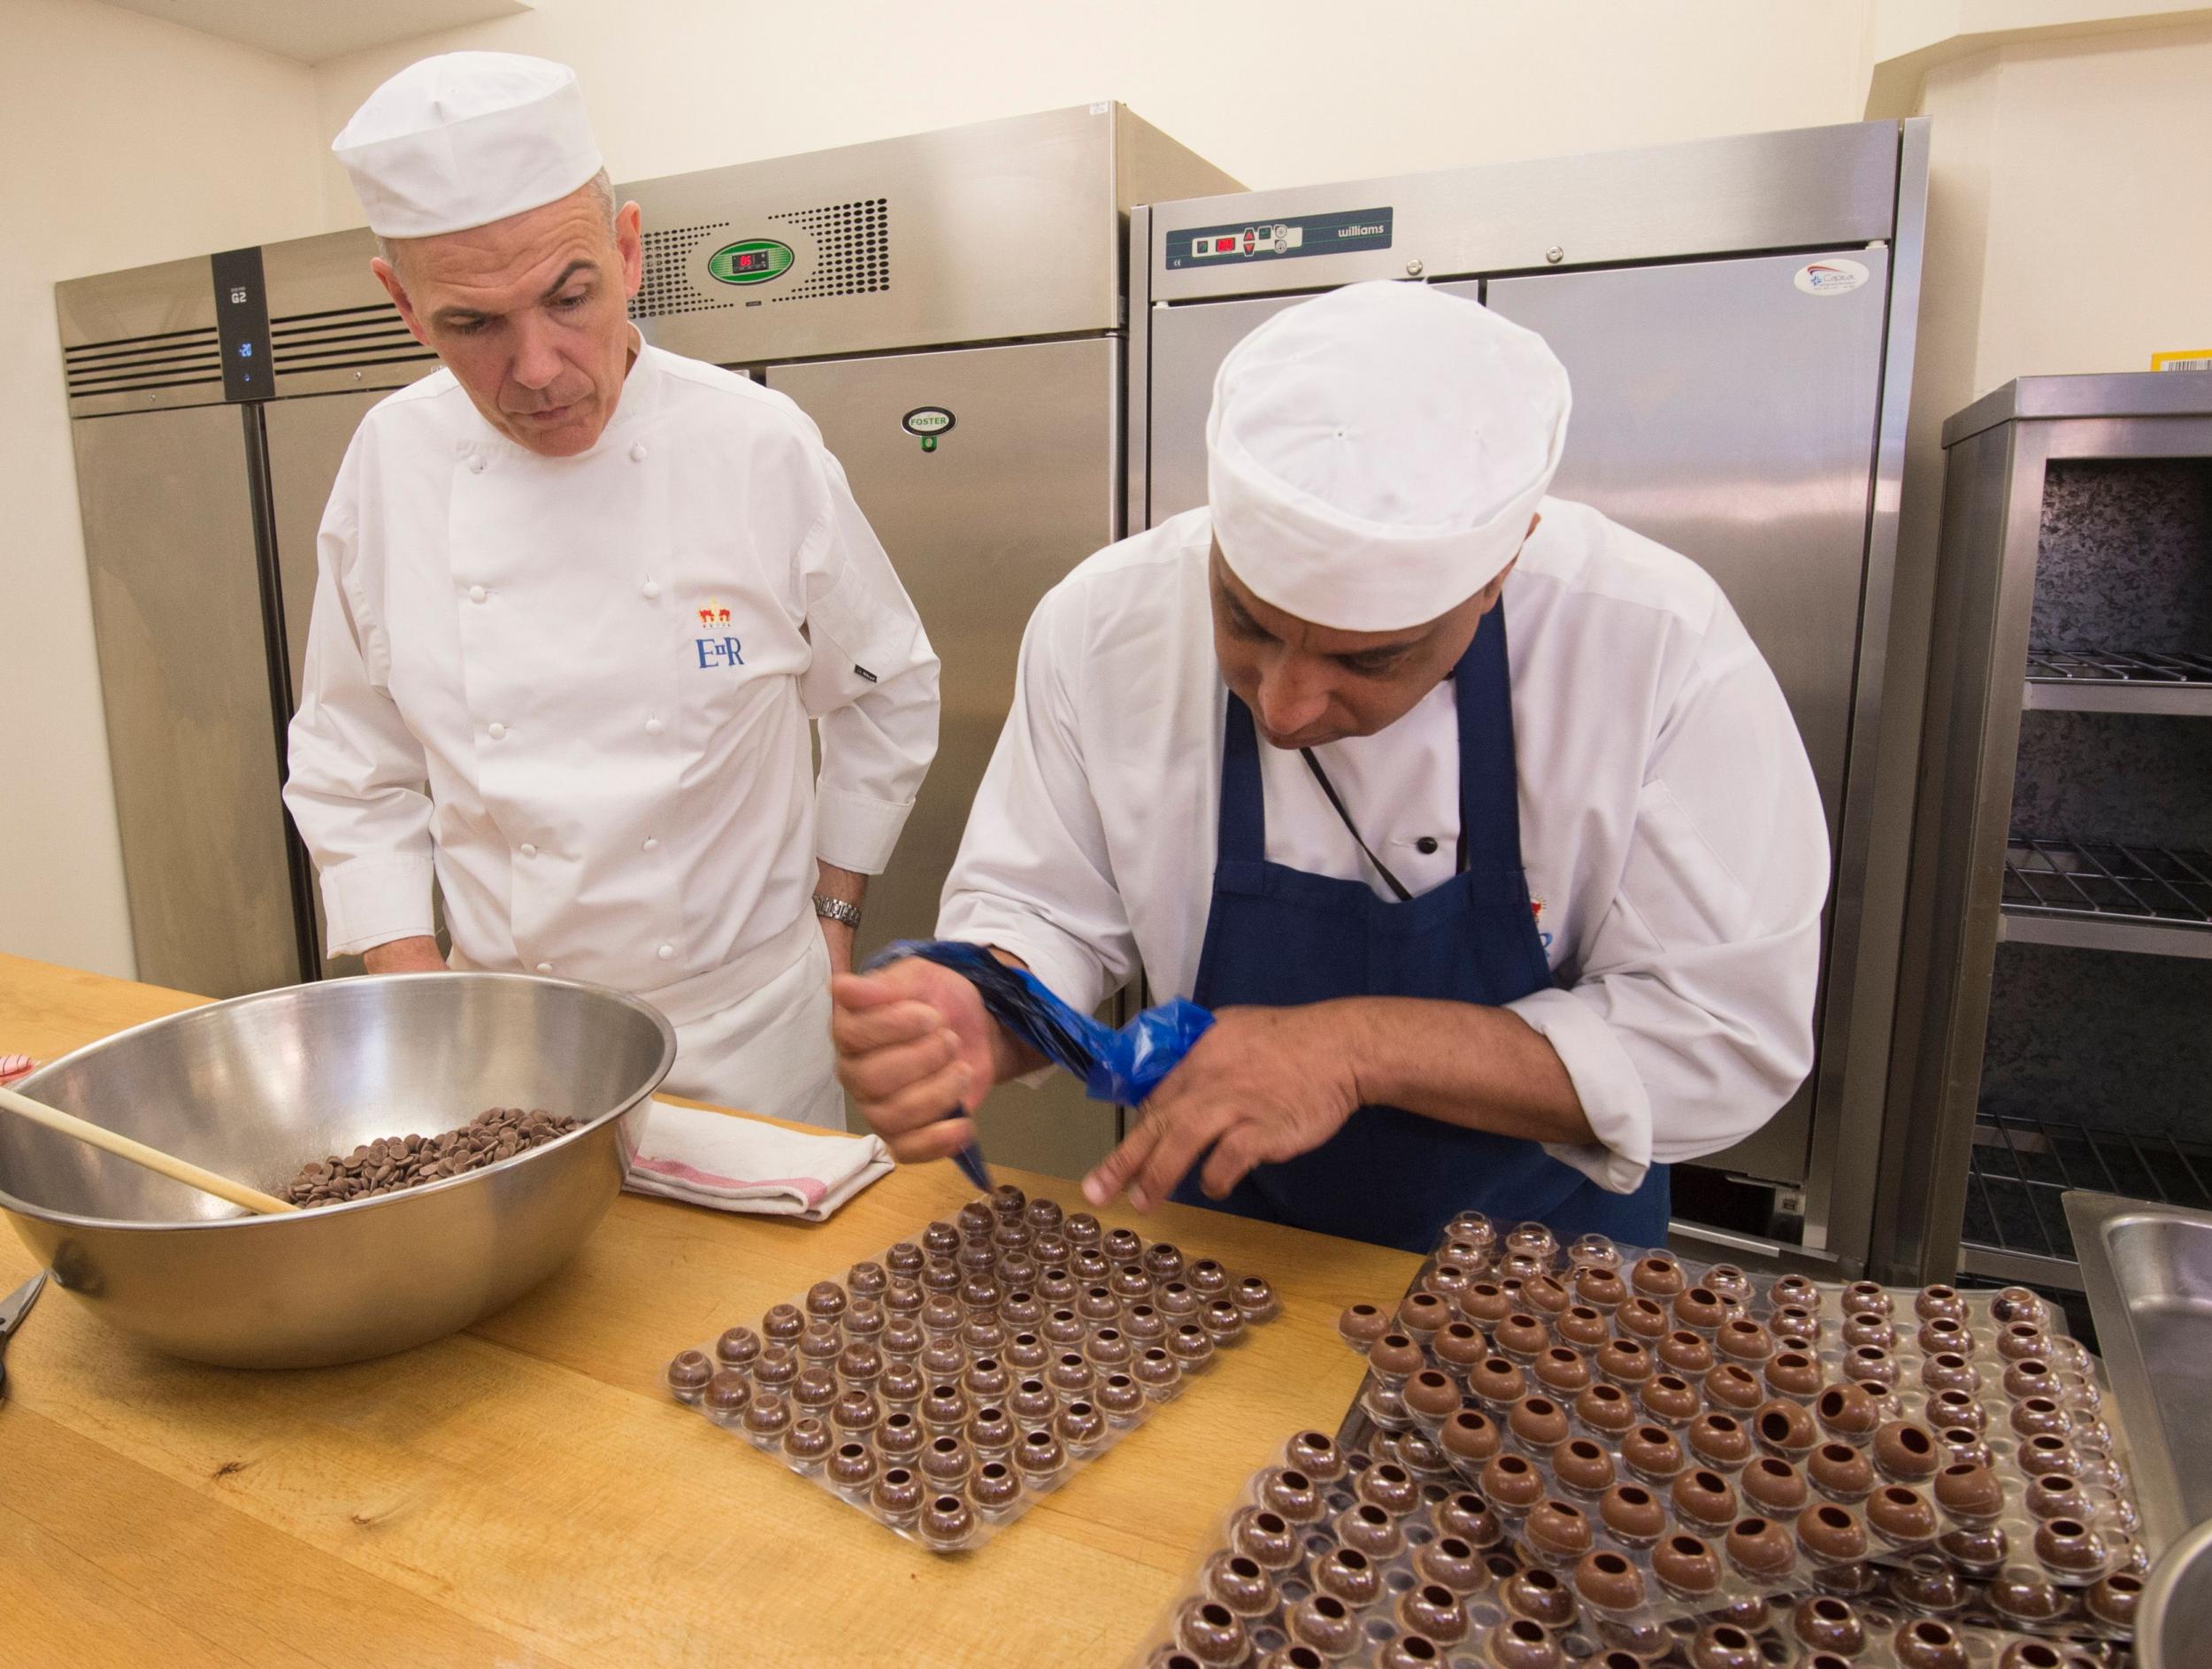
x=1670, y=1398
x=1511, y=1483
x=1829, y=1625
x=1773, y=1485
x=1705, y=1498
x=1831, y=1534
x=1366, y=1528
x=1685, y=1352
x=1389, y=1486
x=1089, y=1266
x=1470, y=1436
x=1841, y=1472
x=1448, y=1562
x=1496, y=1381
x=1098, y=1304
x=1847, y=1411
x=902, y=1338
x=1717, y=1440
x=1582, y=1326
x=2069, y=1550
x=1539, y=1422
x=1347, y=1575
x=1926, y=1643
x=688, y=1375
x=1608, y=1582
x=1562, y=1371
x=1211, y=1633
x=1652, y=1452
x=1163, y=1261
x=1065, y=1329
x=1434, y=1612
x=1760, y=1549
x=1459, y=1345
x=1733, y=1387
x=1686, y=1566
x=1582, y=1466
x=1467, y=1516
x=1557, y=1532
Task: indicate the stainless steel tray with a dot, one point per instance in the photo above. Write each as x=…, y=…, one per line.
x=2148, y=1271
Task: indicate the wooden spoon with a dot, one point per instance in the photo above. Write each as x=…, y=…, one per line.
x=138, y=1153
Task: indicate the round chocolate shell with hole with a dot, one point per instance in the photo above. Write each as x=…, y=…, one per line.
x=1656, y=1275
x=1978, y=1547
x=1210, y=1633
x=808, y=1443
x=1467, y=1516
x=1520, y=1335
x=1470, y=1436
x=2056, y=1495
x=1484, y=1303
x=1391, y=1356
x=1459, y=1345
x=1733, y=1388
x=1390, y=1487
x=1608, y=1582
x=2114, y=1600
x=1432, y=1394
x=1942, y=1333
x=1841, y=1472
x=1422, y=1313
x=1324, y=1624
x=1450, y=1563
x=1607, y=1409
x=1367, y=1527
x=1719, y=1441
x=1939, y=1301
x=1684, y=1352
x=1773, y=1486
x=2032, y=1377
x=1538, y=1596
x=1557, y=1532
x=1847, y=1411
x=897, y=1497
x=768, y=1416
x=1870, y=1364
x=1562, y=1371
x=1289, y=1493
x=1926, y=1643
x=2041, y=1417
x=1877, y=1331
x=1826, y=1623
x=1361, y=1325
x=1686, y=1566
x=2022, y=1594
x=1348, y=1575
x=1540, y=1293
x=1644, y=1318
x=1653, y=1453
x=2071, y=1549
x=1624, y=1362
x=1601, y=1289
x=1699, y=1309
x=2046, y=1454
x=1704, y=1498
x=1511, y=1483
x=1497, y=1382
x=1668, y=1397
x=1831, y=1534
x=1962, y=1447
x=1792, y=1373
x=1785, y=1429
x=1582, y=1466
x=727, y=1394
x=1582, y=1326
x=1315, y=1454
x=2024, y=1342
x=1433, y=1611
x=1906, y=1451
x=1233, y=1580
x=2018, y=1304
x=1724, y=1646
x=1743, y=1340
x=1521, y=1644
x=688, y=1375
x=1539, y=1422
x=1950, y=1372
x=1760, y=1549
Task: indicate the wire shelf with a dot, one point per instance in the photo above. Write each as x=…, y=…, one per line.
x=2116, y=666
x=2116, y=882
x=2019, y=1166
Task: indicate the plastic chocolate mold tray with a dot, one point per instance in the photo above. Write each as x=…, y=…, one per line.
x=945, y=1386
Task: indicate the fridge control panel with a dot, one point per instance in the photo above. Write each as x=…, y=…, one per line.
x=1336, y=233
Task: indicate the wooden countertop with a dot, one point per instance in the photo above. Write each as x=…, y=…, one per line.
x=526, y=1493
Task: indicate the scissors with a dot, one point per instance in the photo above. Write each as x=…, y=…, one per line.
x=13, y=1308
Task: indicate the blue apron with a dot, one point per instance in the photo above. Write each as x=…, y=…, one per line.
x=1277, y=936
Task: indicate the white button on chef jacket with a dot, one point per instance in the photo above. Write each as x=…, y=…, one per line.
x=749, y=525
x=1670, y=827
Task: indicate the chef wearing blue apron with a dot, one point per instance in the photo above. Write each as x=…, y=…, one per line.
x=1476, y=817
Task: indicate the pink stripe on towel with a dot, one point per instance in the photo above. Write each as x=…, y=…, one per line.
x=808, y=1187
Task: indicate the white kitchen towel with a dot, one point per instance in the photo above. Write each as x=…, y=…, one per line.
x=743, y=1165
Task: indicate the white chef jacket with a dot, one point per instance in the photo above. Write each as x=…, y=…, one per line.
x=1670, y=827
x=580, y=687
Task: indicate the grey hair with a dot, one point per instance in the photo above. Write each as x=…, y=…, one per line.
x=600, y=185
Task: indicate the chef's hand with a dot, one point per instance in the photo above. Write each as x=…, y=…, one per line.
x=1263, y=1085
x=417, y=955
x=913, y=1043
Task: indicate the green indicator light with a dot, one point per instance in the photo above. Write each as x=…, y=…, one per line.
x=752, y=261
x=929, y=442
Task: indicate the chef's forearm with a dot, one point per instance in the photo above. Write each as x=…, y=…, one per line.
x=1461, y=1063
x=847, y=885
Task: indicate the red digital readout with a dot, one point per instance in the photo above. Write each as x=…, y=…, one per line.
x=1224, y=244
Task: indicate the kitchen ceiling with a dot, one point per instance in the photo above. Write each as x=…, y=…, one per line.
x=312, y=31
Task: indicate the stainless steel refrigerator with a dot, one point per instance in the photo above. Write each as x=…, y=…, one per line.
x=951, y=309
x=1738, y=318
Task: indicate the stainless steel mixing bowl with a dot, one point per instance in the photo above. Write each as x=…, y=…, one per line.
x=257, y=1087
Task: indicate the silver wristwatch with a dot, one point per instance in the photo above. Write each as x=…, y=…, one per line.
x=836, y=910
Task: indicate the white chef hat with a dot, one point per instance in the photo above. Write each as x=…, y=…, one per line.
x=465, y=139
x=1373, y=456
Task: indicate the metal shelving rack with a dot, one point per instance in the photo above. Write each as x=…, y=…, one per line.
x=1970, y=1189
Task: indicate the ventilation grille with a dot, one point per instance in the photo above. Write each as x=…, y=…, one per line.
x=171, y=360
x=667, y=287
x=852, y=248
x=341, y=338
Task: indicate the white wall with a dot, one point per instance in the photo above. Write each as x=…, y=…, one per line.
x=126, y=139
x=1277, y=92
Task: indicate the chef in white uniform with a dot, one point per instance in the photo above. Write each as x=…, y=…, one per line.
x=578, y=600
x=1502, y=930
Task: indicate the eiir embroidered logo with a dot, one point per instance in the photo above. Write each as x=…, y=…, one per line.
x=720, y=649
